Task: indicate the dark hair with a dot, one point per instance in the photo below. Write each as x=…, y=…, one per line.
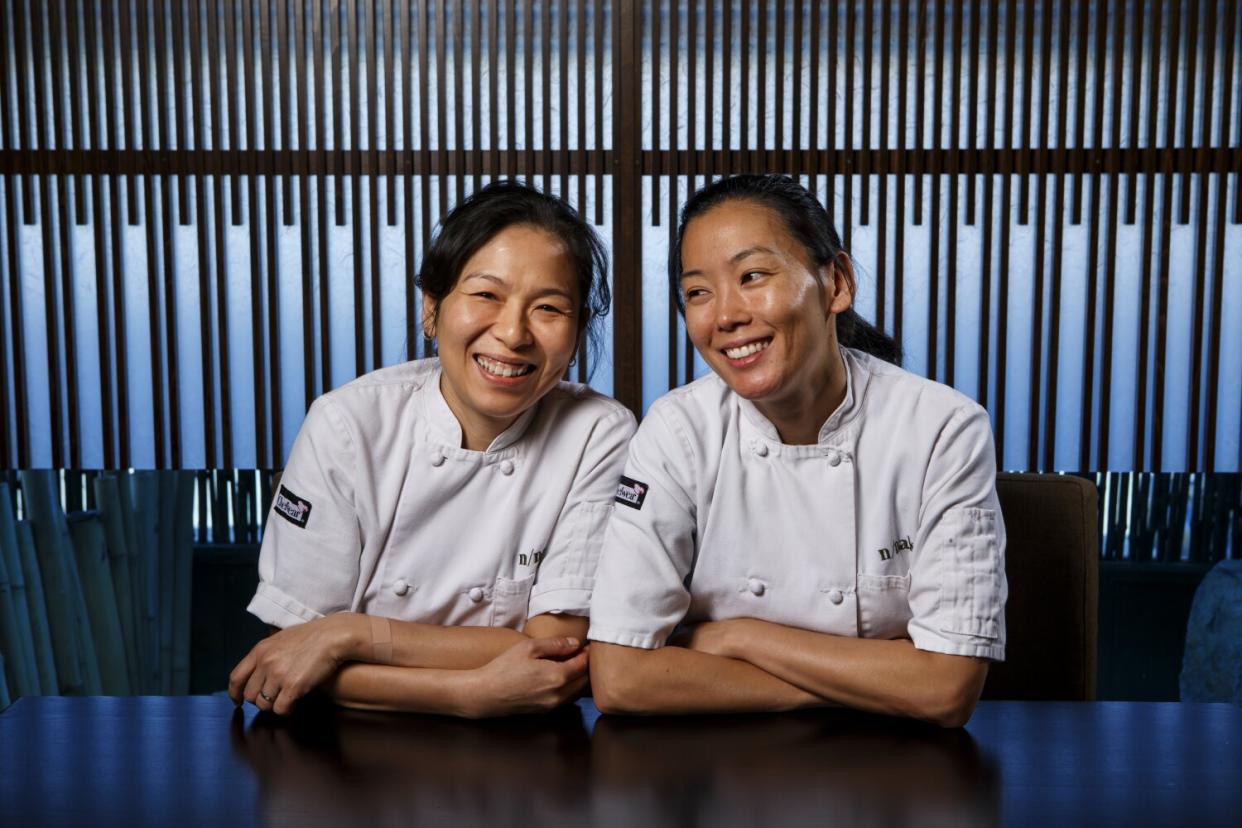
x=506, y=203
x=806, y=220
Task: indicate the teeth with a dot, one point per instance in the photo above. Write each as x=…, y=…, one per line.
x=502, y=369
x=747, y=350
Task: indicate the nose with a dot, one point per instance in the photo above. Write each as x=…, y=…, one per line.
x=731, y=310
x=511, y=327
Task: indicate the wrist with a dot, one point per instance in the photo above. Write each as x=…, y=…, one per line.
x=735, y=640
x=468, y=693
x=354, y=637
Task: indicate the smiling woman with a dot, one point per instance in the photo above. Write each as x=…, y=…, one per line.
x=816, y=526
x=391, y=591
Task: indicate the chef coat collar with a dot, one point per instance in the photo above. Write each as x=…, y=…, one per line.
x=856, y=379
x=443, y=424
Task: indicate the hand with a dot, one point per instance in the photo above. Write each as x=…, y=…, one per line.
x=287, y=665
x=532, y=676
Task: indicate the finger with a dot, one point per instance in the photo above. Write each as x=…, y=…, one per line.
x=576, y=667
x=558, y=647
x=284, y=701
x=574, y=689
x=266, y=699
x=253, y=686
x=239, y=677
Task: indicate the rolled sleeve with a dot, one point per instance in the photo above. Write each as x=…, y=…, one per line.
x=957, y=579
x=310, y=568
x=640, y=593
x=567, y=575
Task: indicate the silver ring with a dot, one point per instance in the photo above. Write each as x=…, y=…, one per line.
x=266, y=697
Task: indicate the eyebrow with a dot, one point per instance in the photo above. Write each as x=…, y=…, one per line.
x=736, y=257
x=494, y=279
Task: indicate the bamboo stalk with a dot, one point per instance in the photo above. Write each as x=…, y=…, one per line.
x=108, y=495
x=21, y=649
x=90, y=545
x=144, y=496
x=40, y=631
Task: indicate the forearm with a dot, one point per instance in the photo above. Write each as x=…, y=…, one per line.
x=449, y=648
x=881, y=676
x=404, y=689
x=674, y=680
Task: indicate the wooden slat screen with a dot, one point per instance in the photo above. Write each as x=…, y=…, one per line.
x=210, y=211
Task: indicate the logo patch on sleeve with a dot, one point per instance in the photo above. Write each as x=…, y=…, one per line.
x=631, y=493
x=292, y=508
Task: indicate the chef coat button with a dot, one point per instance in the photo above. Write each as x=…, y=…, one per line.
x=755, y=586
x=476, y=594
x=400, y=587
x=437, y=459
x=834, y=459
x=506, y=467
x=761, y=450
x=835, y=596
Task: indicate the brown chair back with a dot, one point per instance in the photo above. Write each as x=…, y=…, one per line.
x=1052, y=562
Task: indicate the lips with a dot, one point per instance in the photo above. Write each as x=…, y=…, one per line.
x=504, y=369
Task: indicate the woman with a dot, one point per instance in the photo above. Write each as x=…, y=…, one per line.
x=433, y=541
x=822, y=525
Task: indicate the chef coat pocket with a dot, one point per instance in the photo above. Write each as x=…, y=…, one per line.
x=972, y=574
x=884, y=606
x=510, y=599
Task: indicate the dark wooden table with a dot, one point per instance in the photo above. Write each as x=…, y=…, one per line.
x=198, y=761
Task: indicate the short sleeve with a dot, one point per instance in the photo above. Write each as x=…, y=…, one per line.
x=640, y=591
x=567, y=574
x=309, y=561
x=957, y=574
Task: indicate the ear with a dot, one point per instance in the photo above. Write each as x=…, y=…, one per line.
x=840, y=284
x=430, y=308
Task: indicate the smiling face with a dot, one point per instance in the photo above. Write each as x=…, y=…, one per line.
x=507, y=330
x=759, y=312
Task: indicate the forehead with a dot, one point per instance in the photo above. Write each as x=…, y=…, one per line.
x=734, y=226
x=527, y=253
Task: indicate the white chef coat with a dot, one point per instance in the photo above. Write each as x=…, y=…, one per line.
x=381, y=511
x=888, y=527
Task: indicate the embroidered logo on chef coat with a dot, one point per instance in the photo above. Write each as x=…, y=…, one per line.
x=631, y=492
x=899, y=545
x=292, y=508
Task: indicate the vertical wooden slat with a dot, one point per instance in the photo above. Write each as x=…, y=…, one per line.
x=795, y=144
x=1218, y=242
x=900, y=173
x=75, y=80
x=936, y=169
x=1201, y=240
x=164, y=105
x=1137, y=15
x=355, y=187
x=545, y=98
x=459, y=11
x=597, y=13
x=528, y=82
x=709, y=97
x=232, y=82
x=760, y=162
x=674, y=52
x=272, y=258
x=1110, y=254
x=157, y=373
x=257, y=263
x=1188, y=99
x=179, y=108
x=1160, y=355
x=21, y=80
x=407, y=178
x=656, y=134
x=831, y=154
x=920, y=112
x=1025, y=158
x=65, y=231
x=744, y=84
x=864, y=166
x=371, y=47
x=493, y=88
x=337, y=31
x=1002, y=268
x=510, y=86
x=580, y=41
x=726, y=89
x=1080, y=117
x=204, y=242
x=300, y=11
x=562, y=49
x=846, y=163
x=322, y=97
x=1040, y=138
x=116, y=133
x=1058, y=235
x=627, y=191
x=958, y=12
x=285, y=75
x=1147, y=262
x=815, y=50
x=424, y=114
x=390, y=31
x=881, y=169
x=1099, y=84
x=692, y=93
x=972, y=110
x=11, y=391
x=988, y=172
x=218, y=222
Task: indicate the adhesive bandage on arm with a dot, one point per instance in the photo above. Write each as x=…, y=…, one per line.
x=381, y=640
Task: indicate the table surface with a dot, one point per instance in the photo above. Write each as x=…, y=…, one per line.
x=194, y=760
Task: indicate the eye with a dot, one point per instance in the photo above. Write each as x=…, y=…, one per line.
x=752, y=275
x=483, y=294
x=692, y=294
x=546, y=308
